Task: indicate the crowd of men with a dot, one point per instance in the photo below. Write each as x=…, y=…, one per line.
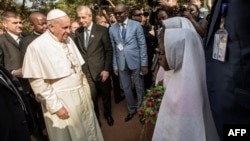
x=51, y=79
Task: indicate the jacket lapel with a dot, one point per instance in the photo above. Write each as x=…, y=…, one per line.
x=80, y=39
x=118, y=33
x=92, y=34
x=11, y=40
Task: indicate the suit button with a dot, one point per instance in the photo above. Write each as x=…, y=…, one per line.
x=24, y=122
x=16, y=102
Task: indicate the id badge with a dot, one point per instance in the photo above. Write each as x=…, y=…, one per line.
x=220, y=45
x=120, y=46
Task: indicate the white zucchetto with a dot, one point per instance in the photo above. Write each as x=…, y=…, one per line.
x=55, y=13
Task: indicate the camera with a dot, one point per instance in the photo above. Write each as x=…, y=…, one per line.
x=104, y=4
x=156, y=59
x=153, y=3
x=96, y=6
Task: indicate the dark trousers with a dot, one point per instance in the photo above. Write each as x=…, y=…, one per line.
x=116, y=86
x=148, y=80
x=99, y=88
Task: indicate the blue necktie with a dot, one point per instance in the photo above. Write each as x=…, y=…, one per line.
x=123, y=31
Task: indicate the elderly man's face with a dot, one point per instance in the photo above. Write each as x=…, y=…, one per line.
x=60, y=28
x=84, y=17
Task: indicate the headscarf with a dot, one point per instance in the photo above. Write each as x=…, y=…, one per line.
x=185, y=113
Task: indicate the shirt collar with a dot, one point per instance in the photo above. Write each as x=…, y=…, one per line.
x=14, y=36
x=124, y=22
x=90, y=26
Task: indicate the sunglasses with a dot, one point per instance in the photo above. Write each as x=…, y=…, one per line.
x=137, y=14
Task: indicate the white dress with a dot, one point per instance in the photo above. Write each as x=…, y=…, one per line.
x=185, y=113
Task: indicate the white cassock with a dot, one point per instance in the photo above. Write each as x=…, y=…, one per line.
x=54, y=71
x=185, y=113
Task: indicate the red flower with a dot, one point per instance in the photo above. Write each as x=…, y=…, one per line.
x=141, y=111
x=146, y=121
x=150, y=104
x=154, y=94
x=153, y=114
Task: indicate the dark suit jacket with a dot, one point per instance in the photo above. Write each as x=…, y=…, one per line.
x=99, y=53
x=229, y=82
x=13, y=124
x=11, y=58
x=9, y=52
x=25, y=42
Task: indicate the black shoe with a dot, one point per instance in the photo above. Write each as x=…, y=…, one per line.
x=129, y=117
x=110, y=120
x=119, y=100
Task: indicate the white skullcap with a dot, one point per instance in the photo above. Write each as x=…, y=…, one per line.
x=55, y=13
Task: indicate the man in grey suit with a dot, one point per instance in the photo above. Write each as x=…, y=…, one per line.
x=10, y=55
x=94, y=45
x=9, y=49
x=129, y=56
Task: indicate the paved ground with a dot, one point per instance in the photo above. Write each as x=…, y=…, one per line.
x=132, y=130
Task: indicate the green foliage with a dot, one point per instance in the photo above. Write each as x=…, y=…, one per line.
x=69, y=6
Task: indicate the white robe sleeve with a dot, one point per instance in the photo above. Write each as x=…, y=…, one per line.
x=45, y=94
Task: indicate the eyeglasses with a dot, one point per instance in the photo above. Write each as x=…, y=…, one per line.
x=137, y=14
x=118, y=13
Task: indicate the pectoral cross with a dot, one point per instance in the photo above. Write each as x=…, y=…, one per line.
x=73, y=67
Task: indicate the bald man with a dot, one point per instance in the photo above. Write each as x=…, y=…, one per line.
x=39, y=25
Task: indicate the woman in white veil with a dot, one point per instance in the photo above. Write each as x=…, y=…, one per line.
x=185, y=113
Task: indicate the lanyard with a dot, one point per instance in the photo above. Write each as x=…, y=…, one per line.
x=223, y=12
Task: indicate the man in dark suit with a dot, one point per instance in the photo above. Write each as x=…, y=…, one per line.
x=39, y=25
x=94, y=44
x=13, y=124
x=9, y=49
x=228, y=82
x=10, y=54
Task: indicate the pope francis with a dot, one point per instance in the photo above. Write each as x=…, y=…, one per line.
x=52, y=64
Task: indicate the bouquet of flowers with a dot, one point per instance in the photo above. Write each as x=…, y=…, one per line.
x=151, y=104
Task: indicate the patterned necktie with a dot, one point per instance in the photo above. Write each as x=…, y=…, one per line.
x=86, y=38
x=18, y=39
x=123, y=31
